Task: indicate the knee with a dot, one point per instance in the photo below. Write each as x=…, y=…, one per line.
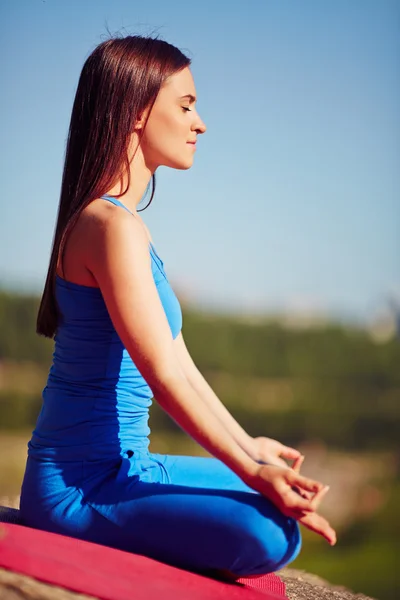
x=271, y=546
x=288, y=545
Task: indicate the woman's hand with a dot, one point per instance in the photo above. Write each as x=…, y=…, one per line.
x=267, y=450
x=292, y=493
x=272, y=452
x=296, y=496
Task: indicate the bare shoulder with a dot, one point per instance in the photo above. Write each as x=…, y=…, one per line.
x=99, y=213
x=84, y=238
x=99, y=216
x=113, y=236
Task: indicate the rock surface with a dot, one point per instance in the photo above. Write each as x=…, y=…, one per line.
x=301, y=585
x=20, y=587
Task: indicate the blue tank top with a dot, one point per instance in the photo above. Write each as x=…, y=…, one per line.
x=96, y=402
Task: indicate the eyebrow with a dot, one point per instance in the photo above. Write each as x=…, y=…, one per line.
x=190, y=96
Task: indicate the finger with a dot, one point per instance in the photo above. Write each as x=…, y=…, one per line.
x=302, y=493
x=310, y=485
x=316, y=501
x=318, y=524
x=295, y=502
x=280, y=462
x=290, y=453
x=296, y=467
x=275, y=462
x=297, y=463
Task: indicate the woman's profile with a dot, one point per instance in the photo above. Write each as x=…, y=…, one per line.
x=117, y=326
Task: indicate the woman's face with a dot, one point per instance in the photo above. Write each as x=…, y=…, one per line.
x=173, y=124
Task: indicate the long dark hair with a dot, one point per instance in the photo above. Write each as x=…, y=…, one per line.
x=119, y=80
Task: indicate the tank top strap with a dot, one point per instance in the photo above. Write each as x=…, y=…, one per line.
x=116, y=202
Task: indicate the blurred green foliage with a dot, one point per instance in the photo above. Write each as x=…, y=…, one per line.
x=18, y=338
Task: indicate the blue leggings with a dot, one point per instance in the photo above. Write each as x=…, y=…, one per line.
x=199, y=515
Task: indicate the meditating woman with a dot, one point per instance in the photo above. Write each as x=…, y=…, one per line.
x=116, y=322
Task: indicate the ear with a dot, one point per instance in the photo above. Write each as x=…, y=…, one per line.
x=142, y=118
x=139, y=123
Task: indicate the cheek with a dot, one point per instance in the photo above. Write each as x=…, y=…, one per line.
x=164, y=131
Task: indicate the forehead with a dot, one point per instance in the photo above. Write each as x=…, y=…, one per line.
x=179, y=84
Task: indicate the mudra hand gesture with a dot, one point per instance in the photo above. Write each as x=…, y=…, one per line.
x=296, y=496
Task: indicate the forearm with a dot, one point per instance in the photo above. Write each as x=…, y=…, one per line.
x=207, y=394
x=182, y=402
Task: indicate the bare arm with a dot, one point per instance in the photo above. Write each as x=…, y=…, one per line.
x=117, y=255
x=118, y=258
x=206, y=393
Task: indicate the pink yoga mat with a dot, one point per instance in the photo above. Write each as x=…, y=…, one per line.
x=112, y=574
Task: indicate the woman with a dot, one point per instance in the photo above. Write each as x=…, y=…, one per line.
x=117, y=325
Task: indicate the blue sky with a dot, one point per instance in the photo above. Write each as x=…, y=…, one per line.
x=292, y=203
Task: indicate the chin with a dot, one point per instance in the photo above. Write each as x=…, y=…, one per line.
x=181, y=165
x=186, y=167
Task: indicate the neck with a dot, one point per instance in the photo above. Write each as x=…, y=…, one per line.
x=140, y=175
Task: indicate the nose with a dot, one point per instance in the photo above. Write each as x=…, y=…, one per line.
x=199, y=126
